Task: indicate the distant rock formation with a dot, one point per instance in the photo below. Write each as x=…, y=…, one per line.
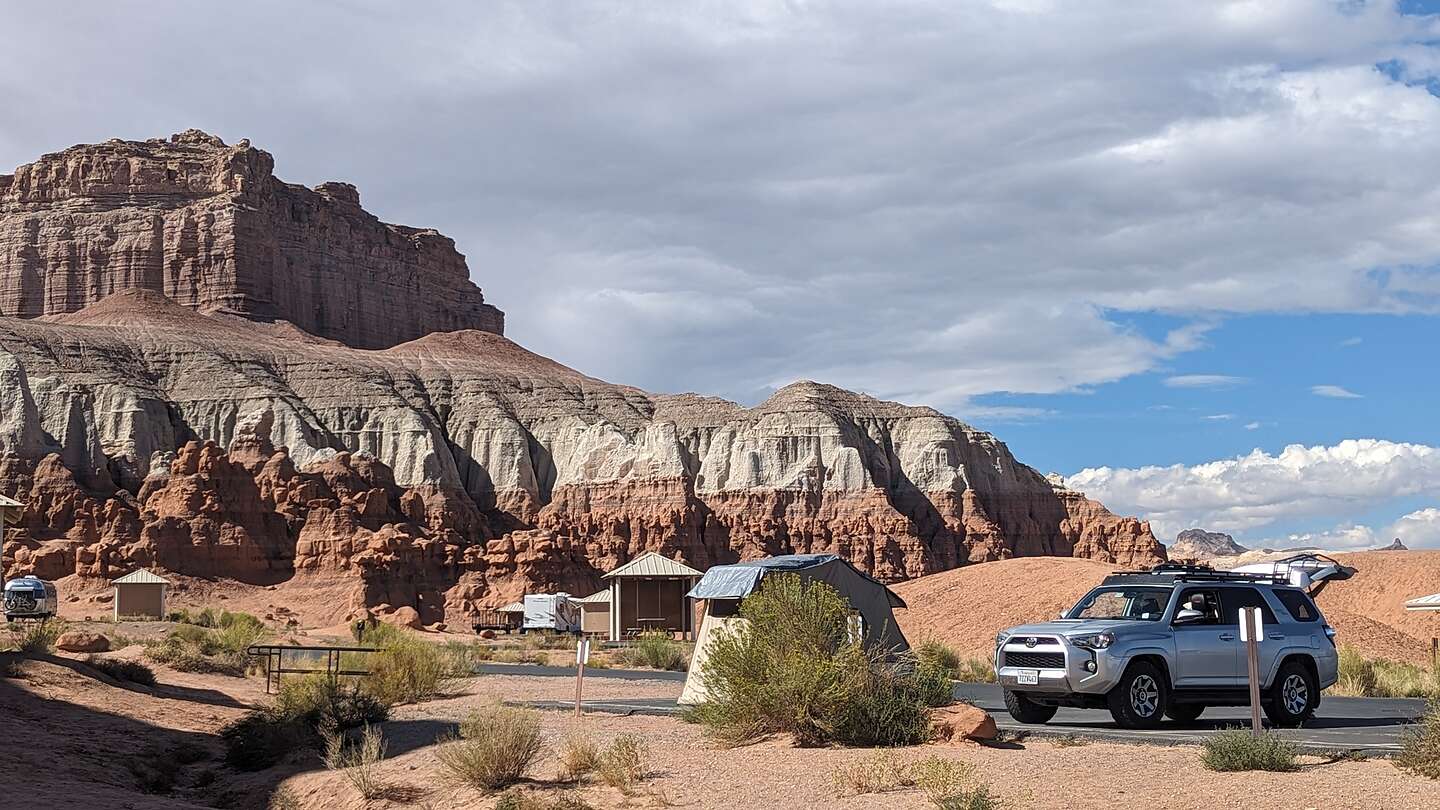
x=1395, y=545
x=211, y=228
x=194, y=386
x=1198, y=544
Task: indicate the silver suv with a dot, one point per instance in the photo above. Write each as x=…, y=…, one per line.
x=1165, y=642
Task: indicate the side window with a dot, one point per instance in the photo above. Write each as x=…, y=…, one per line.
x=1298, y=604
x=1203, y=600
x=1232, y=599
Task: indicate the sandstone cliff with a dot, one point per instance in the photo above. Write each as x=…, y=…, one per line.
x=459, y=470
x=211, y=227
x=1198, y=544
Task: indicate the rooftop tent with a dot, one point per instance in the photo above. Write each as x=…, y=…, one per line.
x=724, y=586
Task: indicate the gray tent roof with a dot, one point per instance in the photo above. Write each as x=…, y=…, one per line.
x=736, y=581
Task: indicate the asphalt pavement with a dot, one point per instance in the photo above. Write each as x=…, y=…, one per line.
x=1367, y=725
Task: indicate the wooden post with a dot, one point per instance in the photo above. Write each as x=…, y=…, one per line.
x=582, y=652
x=1251, y=632
x=1434, y=652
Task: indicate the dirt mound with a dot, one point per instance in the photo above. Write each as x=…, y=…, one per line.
x=967, y=606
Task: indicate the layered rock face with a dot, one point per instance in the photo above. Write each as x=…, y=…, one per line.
x=1198, y=544
x=209, y=226
x=459, y=470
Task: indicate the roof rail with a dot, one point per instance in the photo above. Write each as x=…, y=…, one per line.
x=1178, y=572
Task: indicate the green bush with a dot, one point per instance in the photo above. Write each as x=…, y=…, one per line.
x=1421, y=752
x=407, y=670
x=191, y=648
x=656, y=651
x=1241, y=750
x=939, y=655
x=304, y=710
x=464, y=657
x=796, y=670
x=495, y=747
x=1372, y=677
x=123, y=670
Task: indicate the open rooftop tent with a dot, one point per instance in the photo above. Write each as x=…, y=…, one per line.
x=724, y=586
x=647, y=594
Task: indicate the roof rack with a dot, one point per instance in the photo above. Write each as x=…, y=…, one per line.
x=1167, y=573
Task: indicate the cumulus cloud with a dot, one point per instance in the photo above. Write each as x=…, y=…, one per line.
x=1204, y=381
x=1418, y=529
x=927, y=200
x=1249, y=493
x=1333, y=392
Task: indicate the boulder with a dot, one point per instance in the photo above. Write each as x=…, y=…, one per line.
x=962, y=721
x=403, y=617
x=81, y=642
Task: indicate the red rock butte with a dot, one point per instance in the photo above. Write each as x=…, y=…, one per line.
x=448, y=472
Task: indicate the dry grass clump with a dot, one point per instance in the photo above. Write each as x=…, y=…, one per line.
x=579, y=754
x=1241, y=750
x=122, y=670
x=656, y=651
x=209, y=643
x=878, y=773
x=518, y=655
x=944, y=658
x=516, y=799
x=496, y=746
x=284, y=799
x=37, y=638
x=1421, y=752
x=548, y=640
x=1374, y=677
x=796, y=670
x=622, y=763
x=952, y=785
x=303, y=711
x=358, y=762
x=464, y=657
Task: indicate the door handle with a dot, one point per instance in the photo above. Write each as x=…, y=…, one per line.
x=1278, y=636
x=1227, y=636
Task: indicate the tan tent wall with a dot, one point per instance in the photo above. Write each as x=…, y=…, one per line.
x=595, y=617
x=140, y=599
x=694, y=692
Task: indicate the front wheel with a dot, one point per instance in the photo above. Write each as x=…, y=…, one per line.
x=1293, y=697
x=1025, y=710
x=1139, y=700
x=1185, y=712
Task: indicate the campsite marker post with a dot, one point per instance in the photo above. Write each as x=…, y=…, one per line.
x=1252, y=632
x=582, y=654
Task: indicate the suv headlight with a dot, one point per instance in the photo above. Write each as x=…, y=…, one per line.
x=1000, y=637
x=1093, y=641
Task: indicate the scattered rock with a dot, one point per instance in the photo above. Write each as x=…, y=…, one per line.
x=82, y=642
x=487, y=634
x=962, y=721
x=403, y=617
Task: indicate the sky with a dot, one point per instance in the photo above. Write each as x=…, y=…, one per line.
x=1183, y=253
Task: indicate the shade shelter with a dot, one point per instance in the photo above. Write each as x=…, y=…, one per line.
x=648, y=594
x=724, y=586
x=140, y=594
x=595, y=613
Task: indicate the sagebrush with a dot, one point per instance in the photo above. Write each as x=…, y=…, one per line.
x=656, y=651
x=622, y=763
x=1420, y=753
x=1241, y=750
x=495, y=747
x=304, y=710
x=405, y=669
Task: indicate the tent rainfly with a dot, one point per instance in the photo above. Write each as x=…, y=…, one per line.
x=648, y=594
x=140, y=594
x=724, y=586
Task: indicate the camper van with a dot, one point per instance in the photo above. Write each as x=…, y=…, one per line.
x=551, y=611
x=30, y=598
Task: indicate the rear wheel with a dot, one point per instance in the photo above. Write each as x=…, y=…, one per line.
x=1185, y=712
x=1293, y=697
x=1139, y=700
x=1025, y=710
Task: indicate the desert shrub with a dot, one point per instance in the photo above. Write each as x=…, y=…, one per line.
x=516, y=799
x=1420, y=753
x=1240, y=750
x=357, y=762
x=622, y=763
x=578, y=755
x=976, y=670
x=12, y=667
x=656, y=651
x=520, y=655
x=938, y=655
x=123, y=670
x=192, y=648
x=953, y=785
x=878, y=773
x=796, y=670
x=38, y=638
x=305, y=709
x=407, y=670
x=1373, y=677
x=495, y=747
x=284, y=799
x=462, y=657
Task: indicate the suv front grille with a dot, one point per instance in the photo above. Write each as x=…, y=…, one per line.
x=1035, y=660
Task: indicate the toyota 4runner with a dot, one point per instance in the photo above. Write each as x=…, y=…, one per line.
x=1165, y=642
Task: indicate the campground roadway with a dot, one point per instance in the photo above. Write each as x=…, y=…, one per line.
x=1342, y=724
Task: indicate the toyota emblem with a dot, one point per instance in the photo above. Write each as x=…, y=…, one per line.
x=1030, y=642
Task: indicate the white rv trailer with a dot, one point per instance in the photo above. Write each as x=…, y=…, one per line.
x=551, y=611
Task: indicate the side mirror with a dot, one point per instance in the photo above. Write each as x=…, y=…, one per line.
x=1060, y=615
x=1188, y=616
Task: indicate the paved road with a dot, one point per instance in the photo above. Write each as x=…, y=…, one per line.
x=1371, y=725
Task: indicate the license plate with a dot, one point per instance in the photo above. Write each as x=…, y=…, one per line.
x=1030, y=676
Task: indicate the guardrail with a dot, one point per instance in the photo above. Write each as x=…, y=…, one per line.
x=276, y=661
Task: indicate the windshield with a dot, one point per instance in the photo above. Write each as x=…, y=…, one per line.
x=1142, y=604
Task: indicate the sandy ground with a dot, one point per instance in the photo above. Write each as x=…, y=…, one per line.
x=87, y=742
x=967, y=606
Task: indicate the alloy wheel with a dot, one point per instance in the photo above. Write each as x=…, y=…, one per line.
x=1295, y=694
x=1144, y=696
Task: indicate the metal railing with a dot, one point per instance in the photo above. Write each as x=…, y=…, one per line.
x=290, y=660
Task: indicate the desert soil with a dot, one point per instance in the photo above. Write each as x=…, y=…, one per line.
x=79, y=740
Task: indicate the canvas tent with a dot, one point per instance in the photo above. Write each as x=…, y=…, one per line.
x=724, y=586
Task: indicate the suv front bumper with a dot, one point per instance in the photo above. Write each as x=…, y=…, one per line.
x=1052, y=665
